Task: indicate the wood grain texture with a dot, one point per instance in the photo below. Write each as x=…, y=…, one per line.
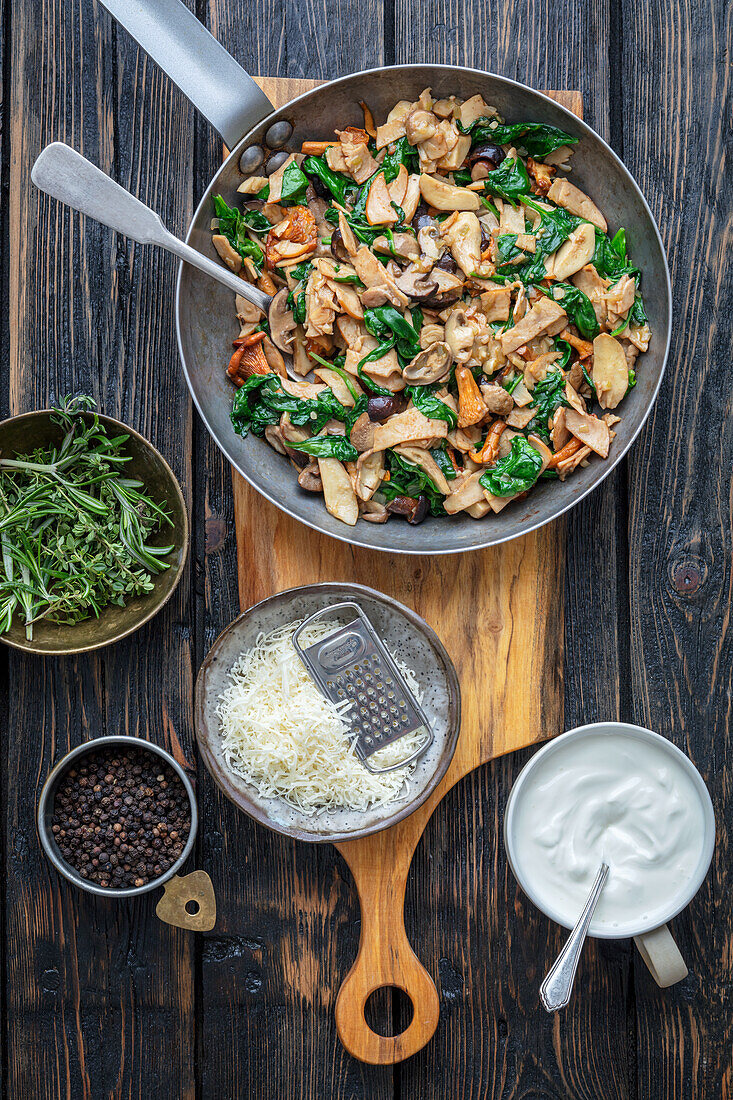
x=680, y=517
x=100, y=997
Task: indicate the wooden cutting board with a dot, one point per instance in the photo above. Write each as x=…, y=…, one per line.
x=499, y=612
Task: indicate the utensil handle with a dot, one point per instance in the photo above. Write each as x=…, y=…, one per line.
x=67, y=176
x=385, y=956
x=206, y=74
x=558, y=985
x=662, y=955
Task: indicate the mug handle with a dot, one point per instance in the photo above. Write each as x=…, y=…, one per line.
x=662, y=956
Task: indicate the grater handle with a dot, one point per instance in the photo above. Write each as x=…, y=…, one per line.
x=380, y=864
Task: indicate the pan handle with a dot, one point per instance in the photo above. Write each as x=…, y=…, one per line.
x=206, y=74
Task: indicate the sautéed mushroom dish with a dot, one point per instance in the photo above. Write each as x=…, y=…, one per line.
x=460, y=319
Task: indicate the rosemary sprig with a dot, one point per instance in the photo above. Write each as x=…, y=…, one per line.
x=73, y=530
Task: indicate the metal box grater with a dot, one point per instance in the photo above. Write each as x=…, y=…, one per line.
x=353, y=663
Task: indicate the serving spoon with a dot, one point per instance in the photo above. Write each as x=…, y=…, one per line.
x=558, y=985
x=69, y=177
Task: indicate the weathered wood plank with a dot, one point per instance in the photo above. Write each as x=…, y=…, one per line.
x=99, y=995
x=677, y=107
x=463, y=906
x=288, y=918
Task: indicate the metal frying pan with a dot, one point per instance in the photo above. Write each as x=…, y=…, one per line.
x=205, y=320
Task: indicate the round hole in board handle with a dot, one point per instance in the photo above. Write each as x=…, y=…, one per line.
x=388, y=1011
x=188, y=901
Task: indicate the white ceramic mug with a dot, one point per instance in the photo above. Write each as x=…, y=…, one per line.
x=656, y=946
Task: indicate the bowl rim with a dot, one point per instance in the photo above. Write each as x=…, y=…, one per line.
x=45, y=809
x=68, y=651
x=633, y=732
x=251, y=808
x=353, y=535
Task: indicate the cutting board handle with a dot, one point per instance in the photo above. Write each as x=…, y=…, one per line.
x=380, y=866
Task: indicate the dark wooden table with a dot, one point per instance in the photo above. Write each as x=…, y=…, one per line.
x=102, y=1000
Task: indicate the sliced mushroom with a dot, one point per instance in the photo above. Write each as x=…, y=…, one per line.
x=373, y=512
x=310, y=478
x=497, y=399
x=274, y=437
x=403, y=245
x=398, y=186
x=407, y=427
x=575, y=253
x=450, y=289
x=570, y=197
x=465, y=492
x=446, y=196
x=591, y=431
x=429, y=365
x=273, y=356
x=291, y=433
x=362, y=433
x=594, y=287
x=411, y=197
x=370, y=471
x=462, y=234
x=459, y=336
x=379, y=210
x=338, y=492
x=373, y=274
x=282, y=322
x=419, y=126
x=544, y=316
x=419, y=285
x=496, y=303
x=610, y=371
x=471, y=110
x=230, y=257
x=348, y=299
x=359, y=161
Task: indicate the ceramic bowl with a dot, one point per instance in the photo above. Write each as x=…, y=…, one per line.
x=408, y=638
x=23, y=434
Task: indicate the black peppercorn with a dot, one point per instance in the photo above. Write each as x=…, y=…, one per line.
x=121, y=819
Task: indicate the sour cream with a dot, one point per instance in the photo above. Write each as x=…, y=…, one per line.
x=629, y=801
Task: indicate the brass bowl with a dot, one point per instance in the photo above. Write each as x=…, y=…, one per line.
x=23, y=434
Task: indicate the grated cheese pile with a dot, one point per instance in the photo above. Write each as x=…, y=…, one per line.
x=281, y=735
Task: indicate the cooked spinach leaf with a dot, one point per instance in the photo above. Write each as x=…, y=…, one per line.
x=515, y=473
x=233, y=226
x=441, y=458
x=386, y=323
x=262, y=400
x=578, y=307
x=402, y=153
x=424, y=399
x=407, y=480
x=341, y=187
x=293, y=186
x=547, y=396
x=256, y=221
x=509, y=180
x=328, y=446
x=537, y=138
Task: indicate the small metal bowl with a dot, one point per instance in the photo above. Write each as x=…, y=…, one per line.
x=23, y=434
x=406, y=635
x=45, y=813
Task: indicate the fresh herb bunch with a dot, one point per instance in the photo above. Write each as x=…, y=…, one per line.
x=73, y=531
